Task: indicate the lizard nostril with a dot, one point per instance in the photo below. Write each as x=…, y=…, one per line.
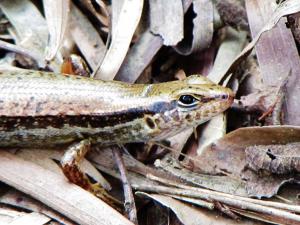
x=224, y=97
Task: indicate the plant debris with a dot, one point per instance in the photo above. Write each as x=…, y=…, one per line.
x=218, y=173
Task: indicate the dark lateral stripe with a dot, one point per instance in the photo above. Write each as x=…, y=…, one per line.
x=12, y=123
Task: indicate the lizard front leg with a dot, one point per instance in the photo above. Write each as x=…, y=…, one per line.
x=70, y=167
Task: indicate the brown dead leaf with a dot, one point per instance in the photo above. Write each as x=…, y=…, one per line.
x=201, y=35
x=277, y=53
x=259, y=101
x=227, y=156
x=166, y=20
x=277, y=159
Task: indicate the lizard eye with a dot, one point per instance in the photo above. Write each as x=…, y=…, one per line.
x=187, y=100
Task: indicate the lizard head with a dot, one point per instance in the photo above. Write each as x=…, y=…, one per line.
x=188, y=103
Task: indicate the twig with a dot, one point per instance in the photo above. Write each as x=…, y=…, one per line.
x=129, y=204
x=217, y=196
x=226, y=210
x=198, y=202
x=283, y=206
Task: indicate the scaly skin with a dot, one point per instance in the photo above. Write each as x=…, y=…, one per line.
x=45, y=109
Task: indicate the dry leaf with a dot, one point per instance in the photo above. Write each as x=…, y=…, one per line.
x=128, y=20
x=31, y=28
x=203, y=28
x=286, y=8
x=33, y=218
x=191, y=215
x=166, y=20
x=277, y=159
x=44, y=158
x=141, y=54
x=56, y=13
x=277, y=53
x=21, y=200
x=56, y=192
x=227, y=155
x=86, y=37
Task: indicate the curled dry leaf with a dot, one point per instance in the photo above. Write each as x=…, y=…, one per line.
x=127, y=22
x=227, y=155
x=31, y=29
x=56, y=13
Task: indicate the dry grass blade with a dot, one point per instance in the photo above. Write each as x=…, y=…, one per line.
x=56, y=13
x=127, y=22
x=56, y=192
